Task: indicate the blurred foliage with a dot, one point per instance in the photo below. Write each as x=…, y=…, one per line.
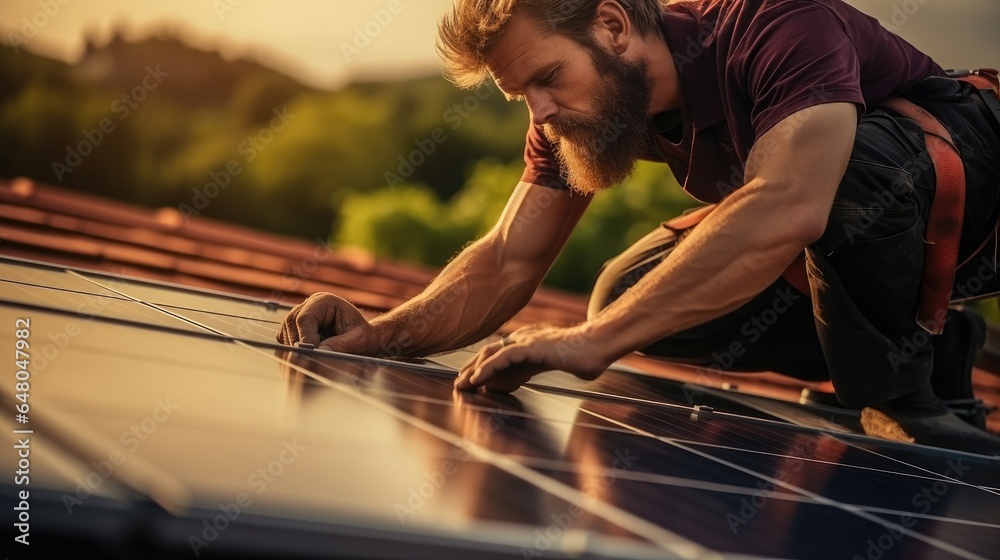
x=409, y=169
x=989, y=308
x=409, y=222
x=172, y=139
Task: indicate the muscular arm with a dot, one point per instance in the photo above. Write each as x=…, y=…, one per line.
x=742, y=247
x=791, y=178
x=489, y=281
x=479, y=290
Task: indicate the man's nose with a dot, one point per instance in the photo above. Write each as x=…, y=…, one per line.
x=541, y=107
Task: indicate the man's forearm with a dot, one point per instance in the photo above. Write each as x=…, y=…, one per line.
x=793, y=173
x=737, y=252
x=471, y=298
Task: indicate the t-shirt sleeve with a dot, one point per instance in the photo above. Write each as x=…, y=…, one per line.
x=798, y=54
x=540, y=164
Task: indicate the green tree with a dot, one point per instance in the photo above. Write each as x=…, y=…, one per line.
x=410, y=223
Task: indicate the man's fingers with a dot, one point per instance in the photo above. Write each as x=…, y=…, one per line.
x=285, y=334
x=499, y=361
x=307, y=327
x=463, y=380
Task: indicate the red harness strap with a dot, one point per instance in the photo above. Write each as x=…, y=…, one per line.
x=944, y=227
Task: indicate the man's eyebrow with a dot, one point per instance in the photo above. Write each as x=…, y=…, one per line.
x=537, y=76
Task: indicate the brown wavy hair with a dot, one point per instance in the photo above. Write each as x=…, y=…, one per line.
x=469, y=30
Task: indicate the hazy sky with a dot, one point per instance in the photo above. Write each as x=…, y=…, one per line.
x=307, y=38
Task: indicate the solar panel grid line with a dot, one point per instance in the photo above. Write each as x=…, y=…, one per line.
x=927, y=516
x=930, y=475
x=933, y=541
x=66, y=290
x=667, y=540
x=230, y=315
x=991, y=490
x=733, y=489
x=823, y=424
x=678, y=407
x=666, y=480
x=695, y=443
x=157, y=326
x=151, y=305
x=111, y=282
x=862, y=508
x=848, y=438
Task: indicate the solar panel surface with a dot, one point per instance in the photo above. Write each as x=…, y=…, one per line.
x=166, y=423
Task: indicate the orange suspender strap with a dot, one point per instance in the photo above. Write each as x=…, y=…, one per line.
x=983, y=78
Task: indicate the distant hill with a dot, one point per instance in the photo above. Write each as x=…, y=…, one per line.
x=156, y=121
x=199, y=78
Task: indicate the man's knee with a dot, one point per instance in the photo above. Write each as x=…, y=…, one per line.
x=625, y=270
x=613, y=280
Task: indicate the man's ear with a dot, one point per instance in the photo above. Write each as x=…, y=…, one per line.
x=612, y=27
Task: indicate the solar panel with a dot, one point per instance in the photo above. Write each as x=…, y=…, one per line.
x=166, y=422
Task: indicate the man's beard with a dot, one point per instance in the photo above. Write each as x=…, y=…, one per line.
x=598, y=152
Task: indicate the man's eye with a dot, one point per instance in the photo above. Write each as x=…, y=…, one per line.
x=548, y=78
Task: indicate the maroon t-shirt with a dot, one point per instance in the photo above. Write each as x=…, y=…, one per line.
x=744, y=65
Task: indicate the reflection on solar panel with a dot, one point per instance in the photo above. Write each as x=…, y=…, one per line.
x=165, y=422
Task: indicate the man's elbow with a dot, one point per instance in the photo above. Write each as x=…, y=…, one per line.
x=809, y=226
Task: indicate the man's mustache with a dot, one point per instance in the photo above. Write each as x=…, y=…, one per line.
x=568, y=129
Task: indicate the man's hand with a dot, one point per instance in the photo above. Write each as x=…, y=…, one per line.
x=329, y=322
x=505, y=366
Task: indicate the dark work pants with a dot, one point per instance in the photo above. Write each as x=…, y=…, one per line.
x=858, y=327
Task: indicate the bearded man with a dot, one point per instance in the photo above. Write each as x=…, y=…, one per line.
x=778, y=113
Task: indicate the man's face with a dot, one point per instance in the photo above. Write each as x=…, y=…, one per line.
x=592, y=105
